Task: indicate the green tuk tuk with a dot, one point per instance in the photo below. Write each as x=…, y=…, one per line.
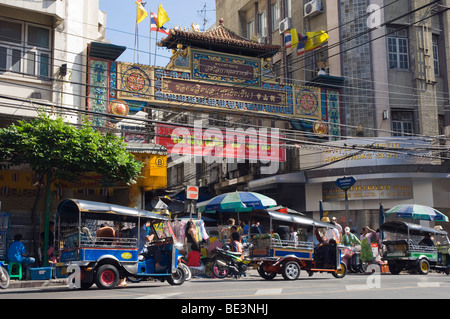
x=415, y=248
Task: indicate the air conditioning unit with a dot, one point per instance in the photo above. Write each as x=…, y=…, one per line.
x=285, y=25
x=312, y=8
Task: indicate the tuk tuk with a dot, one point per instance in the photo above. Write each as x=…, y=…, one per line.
x=104, y=260
x=415, y=248
x=275, y=255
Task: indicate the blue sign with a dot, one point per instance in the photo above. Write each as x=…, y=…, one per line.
x=345, y=183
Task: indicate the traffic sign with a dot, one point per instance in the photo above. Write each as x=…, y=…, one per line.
x=345, y=183
x=192, y=192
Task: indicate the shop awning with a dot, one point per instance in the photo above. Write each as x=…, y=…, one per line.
x=269, y=182
x=105, y=51
x=149, y=148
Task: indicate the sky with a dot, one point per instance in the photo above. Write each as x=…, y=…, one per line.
x=121, y=26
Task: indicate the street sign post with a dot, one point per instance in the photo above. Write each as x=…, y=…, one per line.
x=191, y=198
x=345, y=184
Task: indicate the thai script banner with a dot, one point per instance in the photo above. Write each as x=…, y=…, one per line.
x=223, y=92
x=225, y=68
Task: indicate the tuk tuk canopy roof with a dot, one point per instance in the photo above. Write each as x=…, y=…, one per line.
x=289, y=218
x=70, y=208
x=398, y=226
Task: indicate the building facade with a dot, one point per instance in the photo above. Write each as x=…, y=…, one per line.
x=43, y=53
x=389, y=61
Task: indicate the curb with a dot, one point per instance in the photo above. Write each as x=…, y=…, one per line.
x=36, y=283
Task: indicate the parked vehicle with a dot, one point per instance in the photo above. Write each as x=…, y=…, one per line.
x=4, y=276
x=104, y=260
x=228, y=263
x=415, y=248
x=288, y=257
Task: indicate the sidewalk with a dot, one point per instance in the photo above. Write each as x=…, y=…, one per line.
x=13, y=284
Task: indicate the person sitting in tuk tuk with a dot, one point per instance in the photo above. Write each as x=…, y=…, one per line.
x=145, y=250
x=106, y=234
x=426, y=240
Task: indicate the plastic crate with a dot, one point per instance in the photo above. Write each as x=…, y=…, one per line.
x=43, y=273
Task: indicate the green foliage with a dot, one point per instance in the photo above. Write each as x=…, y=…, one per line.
x=53, y=146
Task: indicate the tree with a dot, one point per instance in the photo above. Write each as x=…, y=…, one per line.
x=56, y=149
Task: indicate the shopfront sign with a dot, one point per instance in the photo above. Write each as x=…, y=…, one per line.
x=377, y=189
x=370, y=152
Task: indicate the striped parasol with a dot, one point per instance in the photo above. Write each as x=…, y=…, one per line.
x=414, y=211
x=236, y=202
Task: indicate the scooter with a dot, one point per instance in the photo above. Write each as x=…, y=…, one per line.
x=228, y=263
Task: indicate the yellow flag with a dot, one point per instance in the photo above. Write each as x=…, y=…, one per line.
x=141, y=12
x=162, y=16
x=294, y=37
x=315, y=39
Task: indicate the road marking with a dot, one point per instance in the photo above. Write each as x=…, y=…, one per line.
x=428, y=284
x=161, y=296
x=357, y=287
x=274, y=291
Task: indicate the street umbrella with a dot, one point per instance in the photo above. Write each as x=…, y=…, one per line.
x=414, y=211
x=236, y=202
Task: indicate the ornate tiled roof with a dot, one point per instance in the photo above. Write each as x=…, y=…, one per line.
x=219, y=39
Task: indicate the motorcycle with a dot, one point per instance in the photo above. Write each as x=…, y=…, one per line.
x=4, y=276
x=228, y=263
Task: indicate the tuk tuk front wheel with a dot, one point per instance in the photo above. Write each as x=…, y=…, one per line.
x=107, y=277
x=177, y=278
x=290, y=270
x=340, y=273
x=423, y=267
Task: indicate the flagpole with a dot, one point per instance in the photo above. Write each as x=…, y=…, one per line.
x=156, y=42
x=135, y=41
x=150, y=41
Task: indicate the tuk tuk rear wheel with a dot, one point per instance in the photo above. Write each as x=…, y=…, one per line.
x=340, y=273
x=265, y=274
x=394, y=268
x=423, y=267
x=107, y=277
x=290, y=270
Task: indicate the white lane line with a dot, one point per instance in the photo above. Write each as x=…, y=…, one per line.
x=161, y=296
x=274, y=291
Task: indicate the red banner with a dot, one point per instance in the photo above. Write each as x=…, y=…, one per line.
x=251, y=144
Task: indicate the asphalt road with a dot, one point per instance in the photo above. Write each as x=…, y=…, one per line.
x=320, y=286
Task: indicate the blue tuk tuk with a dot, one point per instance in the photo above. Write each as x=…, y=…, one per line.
x=105, y=260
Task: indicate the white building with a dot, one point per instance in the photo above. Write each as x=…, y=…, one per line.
x=43, y=47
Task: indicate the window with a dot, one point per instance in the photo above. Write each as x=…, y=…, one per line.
x=402, y=123
x=288, y=8
x=398, y=49
x=25, y=49
x=275, y=16
x=262, y=17
x=435, y=57
x=250, y=29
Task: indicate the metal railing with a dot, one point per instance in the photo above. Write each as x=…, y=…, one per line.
x=292, y=244
x=107, y=242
